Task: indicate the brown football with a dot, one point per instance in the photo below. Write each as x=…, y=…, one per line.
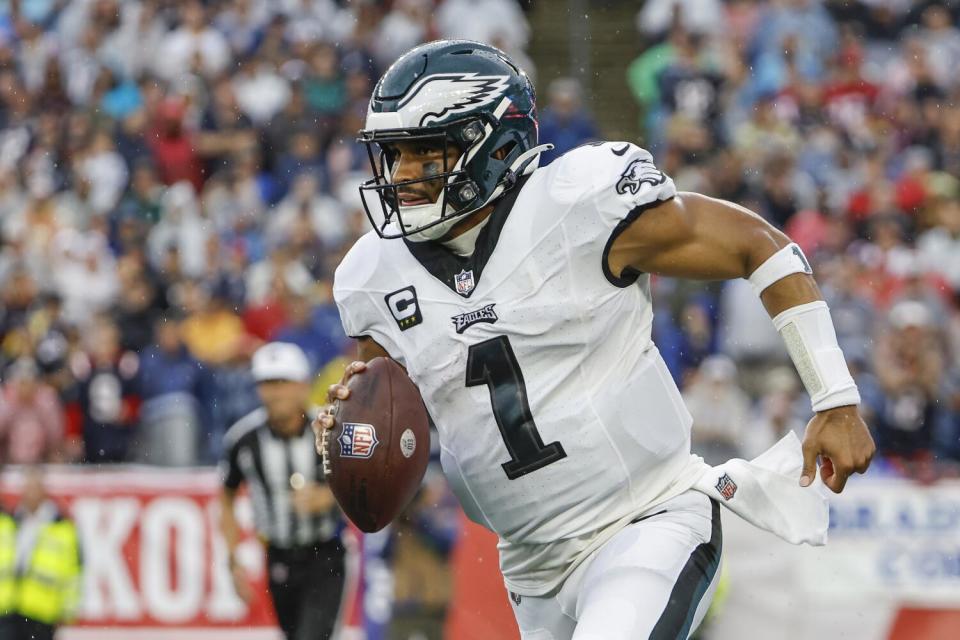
x=378, y=450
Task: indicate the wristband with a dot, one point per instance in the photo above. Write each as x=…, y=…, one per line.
x=807, y=330
x=783, y=263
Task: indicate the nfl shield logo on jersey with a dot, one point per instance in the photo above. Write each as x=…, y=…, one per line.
x=726, y=486
x=357, y=440
x=464, y=282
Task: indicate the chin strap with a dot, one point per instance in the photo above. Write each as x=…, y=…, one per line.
x=521, y=165
x=526, y=162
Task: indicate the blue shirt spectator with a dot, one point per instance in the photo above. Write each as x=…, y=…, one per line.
x=564, y=122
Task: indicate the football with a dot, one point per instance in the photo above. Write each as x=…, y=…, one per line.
x=377, y=452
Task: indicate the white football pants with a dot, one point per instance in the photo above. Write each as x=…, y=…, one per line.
x=654, y=579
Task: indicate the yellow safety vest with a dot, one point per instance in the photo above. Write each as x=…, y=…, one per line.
x=8, y=561
x=48, y=591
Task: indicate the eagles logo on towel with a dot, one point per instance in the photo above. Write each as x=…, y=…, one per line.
x=726, y=486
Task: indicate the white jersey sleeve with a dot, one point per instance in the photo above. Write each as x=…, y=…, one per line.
x=619, y=178
x=360, y=297
x=608, y=185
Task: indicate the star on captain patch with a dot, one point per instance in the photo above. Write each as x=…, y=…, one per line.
x=464, y=282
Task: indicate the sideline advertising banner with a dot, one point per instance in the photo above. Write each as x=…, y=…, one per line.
x=154, y=564
x=890, y=570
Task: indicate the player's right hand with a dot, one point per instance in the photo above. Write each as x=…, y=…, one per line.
x=337, y=391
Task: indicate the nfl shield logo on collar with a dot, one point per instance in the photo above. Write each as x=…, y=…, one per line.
x=726, y=486
x=464, y=282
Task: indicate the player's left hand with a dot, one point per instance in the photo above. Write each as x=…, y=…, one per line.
x=842, y=441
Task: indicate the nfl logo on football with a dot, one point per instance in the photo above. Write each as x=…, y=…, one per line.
x=726, y=486
x=464, y=282
x=357, y=440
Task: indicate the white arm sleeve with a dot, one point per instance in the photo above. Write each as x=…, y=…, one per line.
x=808, y=332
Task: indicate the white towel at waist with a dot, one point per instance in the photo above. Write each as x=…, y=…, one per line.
x=766, y=492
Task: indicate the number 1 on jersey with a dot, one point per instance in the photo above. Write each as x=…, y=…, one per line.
x=493, y=363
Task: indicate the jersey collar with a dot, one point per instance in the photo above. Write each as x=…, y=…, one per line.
x=444, y=265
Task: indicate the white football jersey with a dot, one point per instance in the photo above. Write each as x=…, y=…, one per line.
x=557, y=418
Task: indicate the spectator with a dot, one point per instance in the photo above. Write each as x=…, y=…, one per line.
x=212, y=331
x=85, y=274
x=324, y=89
x=174, y=388
x=942, y=39
x=224, y=129
x=135, y=312
x=564, y=122
x=108, y=400
x=695, y=16
x=853, y=313
x=321, y=342
x=106, y=171
x=779, y=412
x=143, y=199
x=404, y=27
x=484, y=21
x=689, y=86
x=174, y=150
x=132, y=48
x=305, y=202
x=720, y=410
x=31, y=417
x=301, y=156
x=939, y=247
x=181, y=229
x=261, y=91
x=910, y=366
x=282, y=265
x=195, y=47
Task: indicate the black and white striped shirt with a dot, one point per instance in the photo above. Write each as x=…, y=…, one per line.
x=272, y=465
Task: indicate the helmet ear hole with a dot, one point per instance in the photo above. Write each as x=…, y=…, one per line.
x=503, y=150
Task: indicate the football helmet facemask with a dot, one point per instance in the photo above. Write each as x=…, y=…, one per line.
x=449, y=93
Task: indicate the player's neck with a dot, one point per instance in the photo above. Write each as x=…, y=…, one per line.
x=462, y=238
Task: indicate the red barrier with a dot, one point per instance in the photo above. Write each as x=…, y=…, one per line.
x=480, y=609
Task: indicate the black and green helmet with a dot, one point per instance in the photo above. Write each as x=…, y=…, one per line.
x=451, y=92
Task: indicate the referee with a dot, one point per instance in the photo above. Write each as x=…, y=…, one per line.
x=273, y=451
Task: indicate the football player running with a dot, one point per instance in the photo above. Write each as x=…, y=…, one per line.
x=518, y=300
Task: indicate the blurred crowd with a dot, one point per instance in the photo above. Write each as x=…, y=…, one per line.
x=178, y=181
x=839, y=122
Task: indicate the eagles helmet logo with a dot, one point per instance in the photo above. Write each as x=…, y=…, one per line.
x=442, y=94
x=637, y=173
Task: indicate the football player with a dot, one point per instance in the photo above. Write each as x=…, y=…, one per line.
x=518, y=300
